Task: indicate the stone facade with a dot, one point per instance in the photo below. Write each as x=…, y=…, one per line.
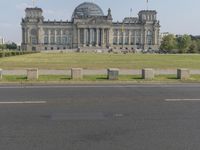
x=89, y=28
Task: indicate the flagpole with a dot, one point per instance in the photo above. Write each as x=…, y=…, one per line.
x=33, y=1
x=147, y=2
x=131, y=12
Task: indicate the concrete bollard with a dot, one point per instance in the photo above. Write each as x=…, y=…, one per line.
x=183, y=73
x=32, y=74
x=1, y=74
x=76, y=73
x=113, y=74
x=148, y=74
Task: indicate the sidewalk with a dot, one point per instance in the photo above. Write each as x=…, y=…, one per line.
x=95, y=72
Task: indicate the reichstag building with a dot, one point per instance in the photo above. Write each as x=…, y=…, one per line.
x=89, y=28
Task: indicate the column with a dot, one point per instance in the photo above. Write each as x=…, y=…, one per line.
x=78, y=40
x=61, y=37
x=55, y=37
x=102, y=37
x=84, y=35
x=155, y=36
x=110, y=37
x=90, y=35
x=123, y=38
x=107, y=37
x=97, y=37
x=129, y=37
x=49, y=36
x=40, y=36
x=117, y=37
x=135, y=34
x=145, y=37
x=23, y=36
x=141, y=38
x=158, y=36
x=28, y=38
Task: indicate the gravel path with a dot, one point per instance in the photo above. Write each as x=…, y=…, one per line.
x=93, y=72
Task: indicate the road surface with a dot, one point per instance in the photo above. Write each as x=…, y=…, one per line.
x=100, y=117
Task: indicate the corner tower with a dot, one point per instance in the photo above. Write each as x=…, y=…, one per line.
x=31, y=29
x=151, y=29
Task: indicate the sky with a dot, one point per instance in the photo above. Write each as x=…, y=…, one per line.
x=176, y=16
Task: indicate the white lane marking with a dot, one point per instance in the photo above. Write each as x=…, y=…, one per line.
x=176, y=100
x=25, y=102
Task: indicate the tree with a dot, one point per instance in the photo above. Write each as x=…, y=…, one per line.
x=193, y=48
x=168, y=43
x=2, y=46
x=198, y=45
x=183, y=43
x=11, y=46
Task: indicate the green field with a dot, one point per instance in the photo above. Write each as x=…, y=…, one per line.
x=100, y=61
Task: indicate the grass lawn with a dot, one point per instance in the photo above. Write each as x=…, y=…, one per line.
x=94, y=78
x=100, y=61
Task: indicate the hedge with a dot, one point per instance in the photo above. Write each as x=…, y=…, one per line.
x=14, y=53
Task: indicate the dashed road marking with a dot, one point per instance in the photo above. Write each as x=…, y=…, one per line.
x=176, y=100
x=25, y=102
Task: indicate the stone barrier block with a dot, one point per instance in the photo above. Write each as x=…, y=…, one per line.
x=113, y=74
x=32, y=74
x=76, y=73
x=1, y=74
x=183, y=73
x=148, y=73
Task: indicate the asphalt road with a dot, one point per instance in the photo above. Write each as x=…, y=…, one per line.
x=102, y=117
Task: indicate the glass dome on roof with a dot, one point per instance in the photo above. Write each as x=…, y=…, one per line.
x=87, y=9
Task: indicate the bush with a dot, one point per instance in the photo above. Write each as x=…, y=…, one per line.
x=14, y=53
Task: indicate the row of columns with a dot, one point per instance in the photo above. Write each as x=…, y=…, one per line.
x=91, y=36
x=129, y=38
x=26, y=37
x=55, y=35
x=142, y=36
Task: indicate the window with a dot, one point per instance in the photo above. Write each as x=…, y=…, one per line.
x=46, y=40
x=149, y=37
x=52, y=40
x=115, y=41
x=58, y=40
x=33, y=40
x=64, y=40
x=34, y=36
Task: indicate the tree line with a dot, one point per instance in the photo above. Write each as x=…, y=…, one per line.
x=9, y=46
x=180, y=44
